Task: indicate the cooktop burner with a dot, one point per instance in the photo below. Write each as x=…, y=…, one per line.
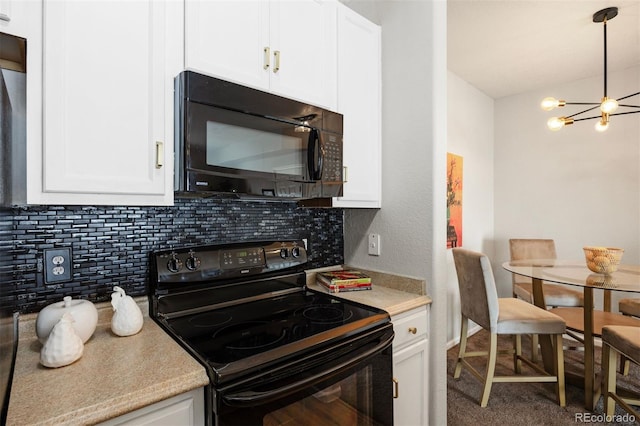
x=247, y=337
x=209, y=319
x=326, y=314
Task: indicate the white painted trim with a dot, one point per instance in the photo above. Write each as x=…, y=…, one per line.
x=473, y=330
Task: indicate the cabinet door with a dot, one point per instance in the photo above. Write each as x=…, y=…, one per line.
x=227, y=39
x=303, y=35
x=410, y=373
x=186, y=409
x=359, y=78
x=104, y=99
x=14, y=17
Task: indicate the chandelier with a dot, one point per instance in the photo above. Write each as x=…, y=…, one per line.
x=608, y=106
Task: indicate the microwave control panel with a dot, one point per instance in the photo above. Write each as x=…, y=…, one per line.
x=332, y=162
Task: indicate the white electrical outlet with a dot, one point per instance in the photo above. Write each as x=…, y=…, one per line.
x=374, y=244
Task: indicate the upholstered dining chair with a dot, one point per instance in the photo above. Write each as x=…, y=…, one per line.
x=480, y=303
x=555, y=295
x=623, y=341
x=629, y=307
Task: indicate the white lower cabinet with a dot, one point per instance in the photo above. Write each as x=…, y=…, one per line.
x=410, y=367
x=186, y=409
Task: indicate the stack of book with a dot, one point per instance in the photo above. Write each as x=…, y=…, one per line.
x=345, y=280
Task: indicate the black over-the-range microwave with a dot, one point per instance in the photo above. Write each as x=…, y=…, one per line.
x=239, y=141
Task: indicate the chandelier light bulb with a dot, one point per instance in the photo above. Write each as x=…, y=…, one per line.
x=608, y=105
x=555, y=123
x=550, y=103
x=603, y=123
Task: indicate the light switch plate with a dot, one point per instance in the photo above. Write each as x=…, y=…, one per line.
x=374, y=244
x=57, y=265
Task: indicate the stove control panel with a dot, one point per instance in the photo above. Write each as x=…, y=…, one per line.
x=242, y=258
x=205, y=263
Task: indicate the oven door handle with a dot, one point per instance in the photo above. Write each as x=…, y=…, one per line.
x=253, y=398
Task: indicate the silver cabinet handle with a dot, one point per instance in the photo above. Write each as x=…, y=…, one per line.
x=5, y=17
x=266, y=59
x=276, y=57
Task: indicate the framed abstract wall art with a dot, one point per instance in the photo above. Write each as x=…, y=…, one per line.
x=454, y=200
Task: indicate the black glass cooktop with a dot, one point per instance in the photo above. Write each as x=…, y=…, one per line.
x=243, y=307
x=255, y=332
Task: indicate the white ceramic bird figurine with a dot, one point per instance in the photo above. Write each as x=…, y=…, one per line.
x=63, y=346
x=127, y=318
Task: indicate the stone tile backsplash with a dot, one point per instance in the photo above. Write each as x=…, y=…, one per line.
x=111, y=245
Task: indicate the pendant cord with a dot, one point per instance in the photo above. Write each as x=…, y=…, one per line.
x=605, y=56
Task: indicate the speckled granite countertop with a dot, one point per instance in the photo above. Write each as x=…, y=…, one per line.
x=115, y=375
x=393, y=293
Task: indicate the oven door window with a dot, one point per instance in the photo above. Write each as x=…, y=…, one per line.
x=348, y=402
x=355, y=389
x=224, y=140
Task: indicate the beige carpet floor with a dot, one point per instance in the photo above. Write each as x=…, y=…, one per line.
x=524, y=403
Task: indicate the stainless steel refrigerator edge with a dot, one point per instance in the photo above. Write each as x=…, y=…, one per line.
x=12, y=189
x=13, y=127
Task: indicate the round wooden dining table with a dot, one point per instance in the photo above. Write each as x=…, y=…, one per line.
x=586, y=320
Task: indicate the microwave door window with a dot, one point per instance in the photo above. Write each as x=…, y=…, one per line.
x=257, y=150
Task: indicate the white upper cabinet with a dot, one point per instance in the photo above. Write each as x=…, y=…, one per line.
x=303, y=50
x=284, y=47
x=15, y=17
x=108, y=102
x=227, y=39
x=359, y=100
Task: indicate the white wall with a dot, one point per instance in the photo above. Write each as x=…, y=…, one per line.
x=470, y=134
x=412, y=219
x=577, y=186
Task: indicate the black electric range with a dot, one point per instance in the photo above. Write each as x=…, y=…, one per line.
x=244, y=311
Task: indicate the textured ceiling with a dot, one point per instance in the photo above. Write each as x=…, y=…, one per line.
x=505, y=47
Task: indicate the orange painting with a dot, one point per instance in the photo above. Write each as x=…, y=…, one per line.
x=454, y=200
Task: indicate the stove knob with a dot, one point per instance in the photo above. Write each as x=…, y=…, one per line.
x=295, y=252
x=284, y=253
x=174, y=264
x=192, y=262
